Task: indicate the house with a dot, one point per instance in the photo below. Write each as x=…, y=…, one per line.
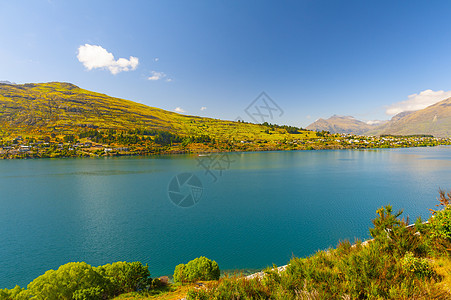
x=24, y=148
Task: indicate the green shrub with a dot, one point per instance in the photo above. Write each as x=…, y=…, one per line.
x=440, y=224
x=92, y=293
x=179, y=273
x=81, y=281
x=17, y=293
x=125, y=277
x=62, y=283
x=200, y=268
x=393, y=234
x=418, y=266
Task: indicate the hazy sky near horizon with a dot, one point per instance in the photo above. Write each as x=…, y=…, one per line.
x=368, y=59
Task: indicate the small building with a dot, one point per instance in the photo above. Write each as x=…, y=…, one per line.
x=24, y=148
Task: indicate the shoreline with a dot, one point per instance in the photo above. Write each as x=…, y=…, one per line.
x=215, y=151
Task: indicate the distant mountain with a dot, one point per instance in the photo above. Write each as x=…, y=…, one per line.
x=342, y=124
x=434, y=120
x=6, y=82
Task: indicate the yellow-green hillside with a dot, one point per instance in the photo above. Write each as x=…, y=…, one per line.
x=63, y=108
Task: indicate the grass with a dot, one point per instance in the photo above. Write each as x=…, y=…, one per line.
x=170, y=292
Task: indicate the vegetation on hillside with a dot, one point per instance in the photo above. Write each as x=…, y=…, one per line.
x=65, y=109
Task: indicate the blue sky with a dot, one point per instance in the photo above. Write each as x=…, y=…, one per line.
x=313, y=58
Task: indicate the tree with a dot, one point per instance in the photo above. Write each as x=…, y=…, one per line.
x=165, y=138
x=125, y=277
x=17, y=293
x=64, y=282
x=179, y=273
x=69, y=138
x=200, y=268
x=440, y=223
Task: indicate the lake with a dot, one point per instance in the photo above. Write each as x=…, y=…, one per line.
x=244, y=210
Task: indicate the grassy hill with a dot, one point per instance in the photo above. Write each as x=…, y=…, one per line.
x=65, y=108
x=62, y=120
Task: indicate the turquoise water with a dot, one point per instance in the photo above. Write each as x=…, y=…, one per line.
x=262, y=209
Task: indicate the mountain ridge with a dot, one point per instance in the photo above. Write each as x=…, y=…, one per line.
x=433, y=120
x=340, y=124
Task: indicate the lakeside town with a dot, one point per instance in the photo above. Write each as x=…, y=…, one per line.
x=69, y=146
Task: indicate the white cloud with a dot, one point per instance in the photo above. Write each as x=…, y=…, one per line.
x=418, y=101
x=374, y=122
x=156, y=59
x=96, y=57
x=179, y=110
x=203, y=108
x=156, y=75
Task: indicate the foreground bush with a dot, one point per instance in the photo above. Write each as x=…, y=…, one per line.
x=440, y=223
x=124, y=277
x=62, y=283
x=401, y=262
x=198, y=269
x=80, y=281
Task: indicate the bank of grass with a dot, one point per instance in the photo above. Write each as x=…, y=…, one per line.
x=170, y=292
x=401, y=262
